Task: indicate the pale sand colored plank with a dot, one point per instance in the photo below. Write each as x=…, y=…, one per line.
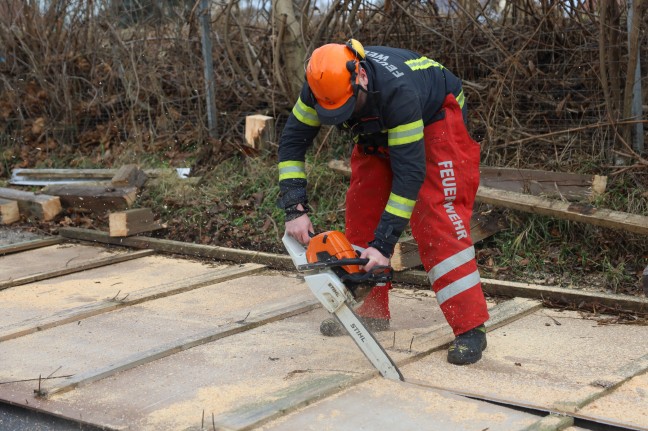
x=47, y=297
x=290, y=308
x=80, y=266
x=42, y=260
x=548, y=361
x=77, y=313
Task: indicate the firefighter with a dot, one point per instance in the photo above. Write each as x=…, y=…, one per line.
x=413, y=162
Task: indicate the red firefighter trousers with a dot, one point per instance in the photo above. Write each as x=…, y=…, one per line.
x=440, y=221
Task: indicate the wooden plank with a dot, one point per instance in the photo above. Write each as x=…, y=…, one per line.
x=561, y=185
x=564, y=210
x=258, y=319
x=168, y=246
x=97, y=198
x=251, y=416
x=406, y=253
x=187, y=284
x=564, y=185
x=132, y=222
x=382, y=404
x=523, y=372
x=129, y=176
x=42, y=206
x=259, y=131
x=618, y=405
x=43, y=177
x=560, y=295
x=94, y=263
x=82, y=174
x=8, y=211
x=29, y=245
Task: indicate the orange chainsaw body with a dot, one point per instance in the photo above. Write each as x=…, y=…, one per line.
x=332, y=245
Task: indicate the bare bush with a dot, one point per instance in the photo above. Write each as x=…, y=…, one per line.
x=545, y=81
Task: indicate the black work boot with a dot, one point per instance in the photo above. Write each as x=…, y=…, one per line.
x=467, y=347
x=332, y=328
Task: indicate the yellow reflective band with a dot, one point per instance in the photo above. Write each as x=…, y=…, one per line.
x=305, y=114
x=406, y=134
x=423, y=63
x=292, y=169
x=461, y=99
x=400, y=206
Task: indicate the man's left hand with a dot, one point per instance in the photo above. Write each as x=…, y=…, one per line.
x=375, y=258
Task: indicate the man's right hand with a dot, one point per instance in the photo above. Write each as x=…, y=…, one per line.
x=300, y=227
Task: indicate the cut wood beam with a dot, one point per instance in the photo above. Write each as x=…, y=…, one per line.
x=132, y=222
x=8, y=211
x=98, y=199
x=564, y=210
x=42, y=206
x=259, y=131
x=129, y=176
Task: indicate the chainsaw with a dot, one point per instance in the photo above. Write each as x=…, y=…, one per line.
x=331, y=268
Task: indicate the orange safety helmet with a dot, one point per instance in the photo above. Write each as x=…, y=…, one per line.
x=332, y=75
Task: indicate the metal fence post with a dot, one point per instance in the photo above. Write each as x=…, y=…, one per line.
x=636, y=109
x=210, y=90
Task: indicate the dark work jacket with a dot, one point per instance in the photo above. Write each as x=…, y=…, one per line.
x=405, y=93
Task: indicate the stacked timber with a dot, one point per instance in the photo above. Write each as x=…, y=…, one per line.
x=96, y=191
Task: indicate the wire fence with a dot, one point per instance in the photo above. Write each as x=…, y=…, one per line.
x=547, y=82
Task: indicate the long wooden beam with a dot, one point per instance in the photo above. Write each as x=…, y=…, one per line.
x=491, y=287
x=560, y=295
x=564, y=210
x=169, y=246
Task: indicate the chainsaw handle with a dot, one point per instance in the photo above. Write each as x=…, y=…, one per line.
x=333, y=263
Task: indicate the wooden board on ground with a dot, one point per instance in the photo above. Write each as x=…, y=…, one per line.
x=549, y=360
x=619, y=405
x=96, y=198
x=132, y=222
x=399, y=407
x=244, y=379
x=41, y=206
x=44, y=260
x=8, y=211
x=118, y=281
x=108, y=343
